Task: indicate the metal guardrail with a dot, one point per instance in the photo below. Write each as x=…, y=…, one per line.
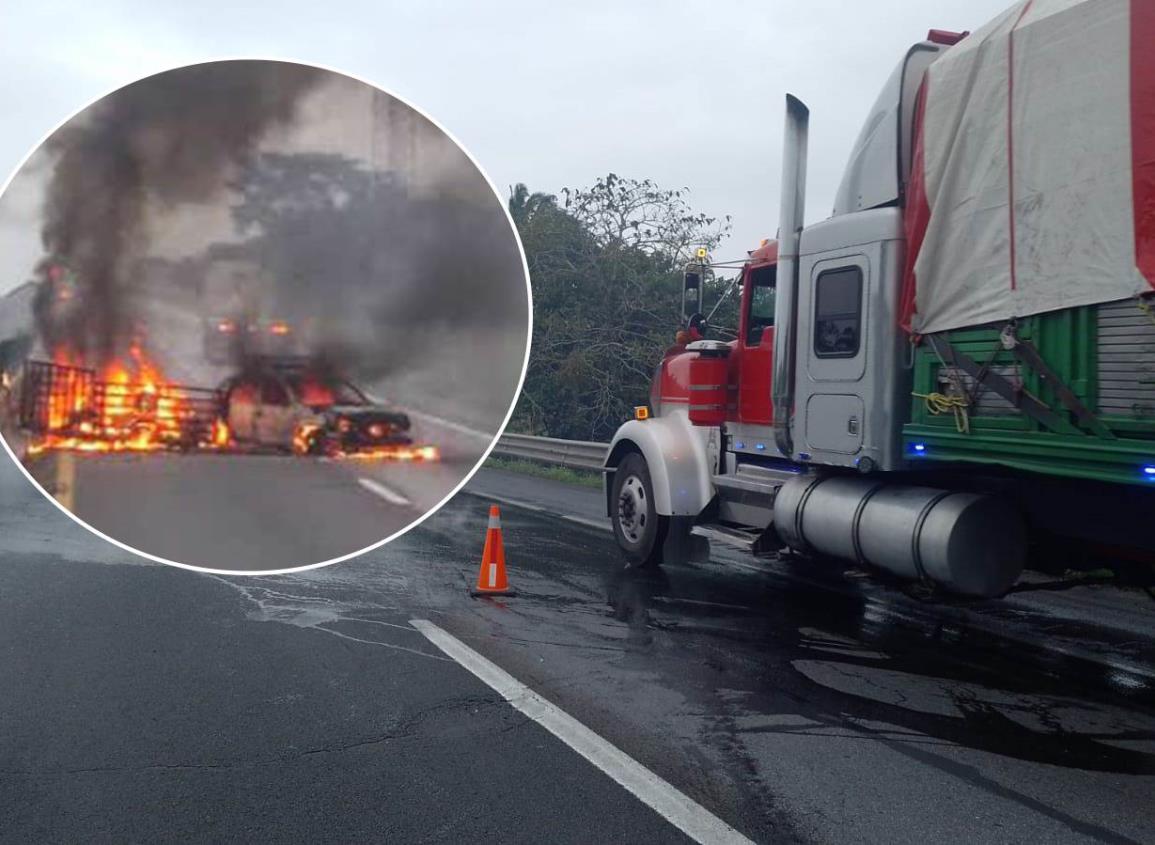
x=578, y=454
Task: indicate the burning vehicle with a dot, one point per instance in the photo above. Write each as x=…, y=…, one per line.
x=275, y=399
x=290, y=405
x=294, y=405
x=127, y=406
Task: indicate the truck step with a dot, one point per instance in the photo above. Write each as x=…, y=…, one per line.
x=755, y=542
x=728, y=535
x=752, y=478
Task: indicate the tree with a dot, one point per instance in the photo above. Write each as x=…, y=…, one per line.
x=606, y=266
x=523, y=205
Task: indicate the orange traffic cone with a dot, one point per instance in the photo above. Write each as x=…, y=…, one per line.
x=491, y=579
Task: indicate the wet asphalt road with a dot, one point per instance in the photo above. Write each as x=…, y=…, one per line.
x=154, y=703
x=265, y=512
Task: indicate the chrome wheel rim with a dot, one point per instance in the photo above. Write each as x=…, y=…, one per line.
x=632, y=509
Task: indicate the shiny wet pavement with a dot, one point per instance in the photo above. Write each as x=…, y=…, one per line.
x=819, y=716
x=155, y=702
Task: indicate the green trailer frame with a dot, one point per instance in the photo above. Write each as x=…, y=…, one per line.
x=1119, y=448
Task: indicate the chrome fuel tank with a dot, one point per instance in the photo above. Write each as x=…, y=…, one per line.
x=969, y=543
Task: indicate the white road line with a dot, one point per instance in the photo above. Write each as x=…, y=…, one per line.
x=674, y=806
x=383, y=491
x=507, y=501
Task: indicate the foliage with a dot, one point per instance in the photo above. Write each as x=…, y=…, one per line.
x=606, y=265
x=567, y=475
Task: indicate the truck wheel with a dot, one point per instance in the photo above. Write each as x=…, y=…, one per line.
x=639, y=529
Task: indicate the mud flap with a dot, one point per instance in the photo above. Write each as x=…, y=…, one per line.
x=681, y=545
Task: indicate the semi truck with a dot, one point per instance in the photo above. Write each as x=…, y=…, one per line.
x=239, y=311
x=954, y=373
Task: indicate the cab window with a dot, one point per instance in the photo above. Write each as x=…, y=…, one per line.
x=838, y=313
x=761, y=304
x=273, y=392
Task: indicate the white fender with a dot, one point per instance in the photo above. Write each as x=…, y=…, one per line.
x=675, y=451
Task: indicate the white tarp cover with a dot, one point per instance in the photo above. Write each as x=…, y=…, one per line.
x=1033, y=182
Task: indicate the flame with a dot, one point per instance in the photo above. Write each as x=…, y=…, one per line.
x=126, y=407
x=394, y=453
x=130, y=407
x=221, y=434
x=303, y=436
x=315, y=394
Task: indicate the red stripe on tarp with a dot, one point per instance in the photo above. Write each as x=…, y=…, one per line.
x=1011, y=135
x=917, y=214
x=1143, y=134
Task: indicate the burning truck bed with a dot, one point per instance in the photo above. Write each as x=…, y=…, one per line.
x=70, y=407
x=269, y=405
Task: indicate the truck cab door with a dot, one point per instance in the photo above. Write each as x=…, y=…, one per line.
x=852, y=382
x=836, y=355
x=241, y=399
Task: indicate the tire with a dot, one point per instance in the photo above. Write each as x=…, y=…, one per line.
x=638, y=528
x=315, y=446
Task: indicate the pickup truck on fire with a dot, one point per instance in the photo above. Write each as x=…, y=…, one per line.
x=959, y=364
x=289, y=404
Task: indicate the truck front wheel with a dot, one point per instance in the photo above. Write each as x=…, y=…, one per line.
x=639, y=529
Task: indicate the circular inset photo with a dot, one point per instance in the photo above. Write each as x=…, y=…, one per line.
x=255, y=316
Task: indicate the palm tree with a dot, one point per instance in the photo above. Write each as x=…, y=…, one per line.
x=523, y=205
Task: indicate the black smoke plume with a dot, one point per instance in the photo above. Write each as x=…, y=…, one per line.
x=165, y=140
x=385, y=272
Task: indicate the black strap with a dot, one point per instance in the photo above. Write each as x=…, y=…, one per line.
x=1025, y=351
x=991, y=380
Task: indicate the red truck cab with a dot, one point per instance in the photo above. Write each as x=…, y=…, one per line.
x=728, y=384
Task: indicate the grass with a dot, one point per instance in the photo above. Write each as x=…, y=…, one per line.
x=582, y=477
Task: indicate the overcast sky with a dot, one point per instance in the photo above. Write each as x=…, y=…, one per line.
x=551, y=94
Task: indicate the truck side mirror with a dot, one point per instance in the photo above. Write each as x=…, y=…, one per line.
x=691, y=293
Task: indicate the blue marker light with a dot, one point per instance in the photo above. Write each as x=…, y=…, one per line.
x=739, y=445
x=761, y=447
x=919, y=447
x=1149, y=471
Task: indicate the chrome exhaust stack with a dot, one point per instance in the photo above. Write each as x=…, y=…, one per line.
x=790, y=222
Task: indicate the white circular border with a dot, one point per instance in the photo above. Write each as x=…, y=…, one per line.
x=501, y=429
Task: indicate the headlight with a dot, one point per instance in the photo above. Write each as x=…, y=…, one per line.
x=377, y=430
x=343, y=425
